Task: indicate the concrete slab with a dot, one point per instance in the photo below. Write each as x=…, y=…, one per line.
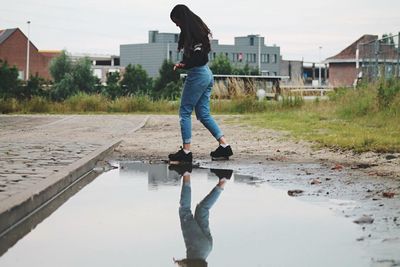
x=41, y=155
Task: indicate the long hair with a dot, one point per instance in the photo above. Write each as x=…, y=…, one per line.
x=193, y=29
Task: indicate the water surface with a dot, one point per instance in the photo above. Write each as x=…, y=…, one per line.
x=129, y=217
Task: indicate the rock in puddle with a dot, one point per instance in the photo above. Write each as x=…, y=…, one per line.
x=295, y=192
x=388, y=194
x=315, y=181
x=337, y=167
x=365, y=165
x=365, y=219
x=390, y=157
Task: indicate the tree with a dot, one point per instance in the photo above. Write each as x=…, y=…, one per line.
x=34, y=87
x=221, y=65
x=9, y=82
x=83, y=76
x=135, y=81
x=387, y=39
x=64, y=88
x=71, y=78
x=246, y=70
x=60, y=66
x=167, y=84
x=113, y=89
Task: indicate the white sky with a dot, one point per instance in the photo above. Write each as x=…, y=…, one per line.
x=298, y=27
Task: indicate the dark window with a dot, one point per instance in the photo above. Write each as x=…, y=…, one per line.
x=103, y=62
x=251, y=41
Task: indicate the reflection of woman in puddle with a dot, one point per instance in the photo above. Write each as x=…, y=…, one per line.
x=195, y=229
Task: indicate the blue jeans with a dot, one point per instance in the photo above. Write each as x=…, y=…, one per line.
x=196, y=95
x=195, y=229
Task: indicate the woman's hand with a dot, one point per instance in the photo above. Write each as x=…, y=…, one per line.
x=179, y=66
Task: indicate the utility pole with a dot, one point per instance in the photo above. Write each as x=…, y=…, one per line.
x=168, y=52
x=27, y=52
x=259, y=54
x=319, y=76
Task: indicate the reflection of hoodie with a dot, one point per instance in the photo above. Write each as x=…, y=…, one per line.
x=195, y=229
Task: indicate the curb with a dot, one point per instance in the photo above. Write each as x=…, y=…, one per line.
x=21, y=205
x=17, y=207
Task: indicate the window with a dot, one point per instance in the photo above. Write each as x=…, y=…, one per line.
x=21, y=74
x=264, y=58
x=233, y=57
x=275, y=59
x=252, y=41
x=240, y=57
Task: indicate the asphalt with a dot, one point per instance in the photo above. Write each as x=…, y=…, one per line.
x=40, y=155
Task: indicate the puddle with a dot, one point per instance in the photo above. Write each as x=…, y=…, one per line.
x=129, y=217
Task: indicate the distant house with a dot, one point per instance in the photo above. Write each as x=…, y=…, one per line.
x=303, y=73
x=343, y=66
x=13, y=49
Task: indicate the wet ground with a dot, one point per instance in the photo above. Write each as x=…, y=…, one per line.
x=129, y=217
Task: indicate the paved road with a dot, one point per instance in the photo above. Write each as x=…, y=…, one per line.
x=33, y=147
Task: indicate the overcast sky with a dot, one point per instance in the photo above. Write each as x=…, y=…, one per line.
x=298, y=27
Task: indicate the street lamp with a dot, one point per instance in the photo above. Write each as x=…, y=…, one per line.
x=27, y=52
x=259, y=54
x=319, y=76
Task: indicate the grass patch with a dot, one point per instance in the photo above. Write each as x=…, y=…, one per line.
x=351, y=120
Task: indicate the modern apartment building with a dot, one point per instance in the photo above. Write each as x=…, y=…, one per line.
x=250, y=50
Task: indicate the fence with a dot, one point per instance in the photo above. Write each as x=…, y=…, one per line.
x=228, y=86
x=379, y=58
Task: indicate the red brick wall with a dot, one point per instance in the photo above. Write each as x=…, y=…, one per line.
x=13, y=50
x=342, y=74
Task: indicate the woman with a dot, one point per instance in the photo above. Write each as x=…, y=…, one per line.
x=195, y=43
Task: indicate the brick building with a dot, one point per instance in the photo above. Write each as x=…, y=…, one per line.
x=13, y=49
x=343, y=66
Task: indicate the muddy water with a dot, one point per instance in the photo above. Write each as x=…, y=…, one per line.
x=129, y=217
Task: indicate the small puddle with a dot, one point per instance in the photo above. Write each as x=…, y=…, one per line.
x=130, y=217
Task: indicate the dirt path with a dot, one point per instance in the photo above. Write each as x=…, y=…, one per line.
x=161, y=136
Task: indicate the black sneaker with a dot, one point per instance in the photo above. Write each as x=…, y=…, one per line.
x=221, y=153
x=181, y=169
x=221, y=173
x=180, y=157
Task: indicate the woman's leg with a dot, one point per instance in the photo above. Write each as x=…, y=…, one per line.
x=202, y=110
x=192, y=91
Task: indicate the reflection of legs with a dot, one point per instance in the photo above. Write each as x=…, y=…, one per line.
x=185, y=213
x=202, y=212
